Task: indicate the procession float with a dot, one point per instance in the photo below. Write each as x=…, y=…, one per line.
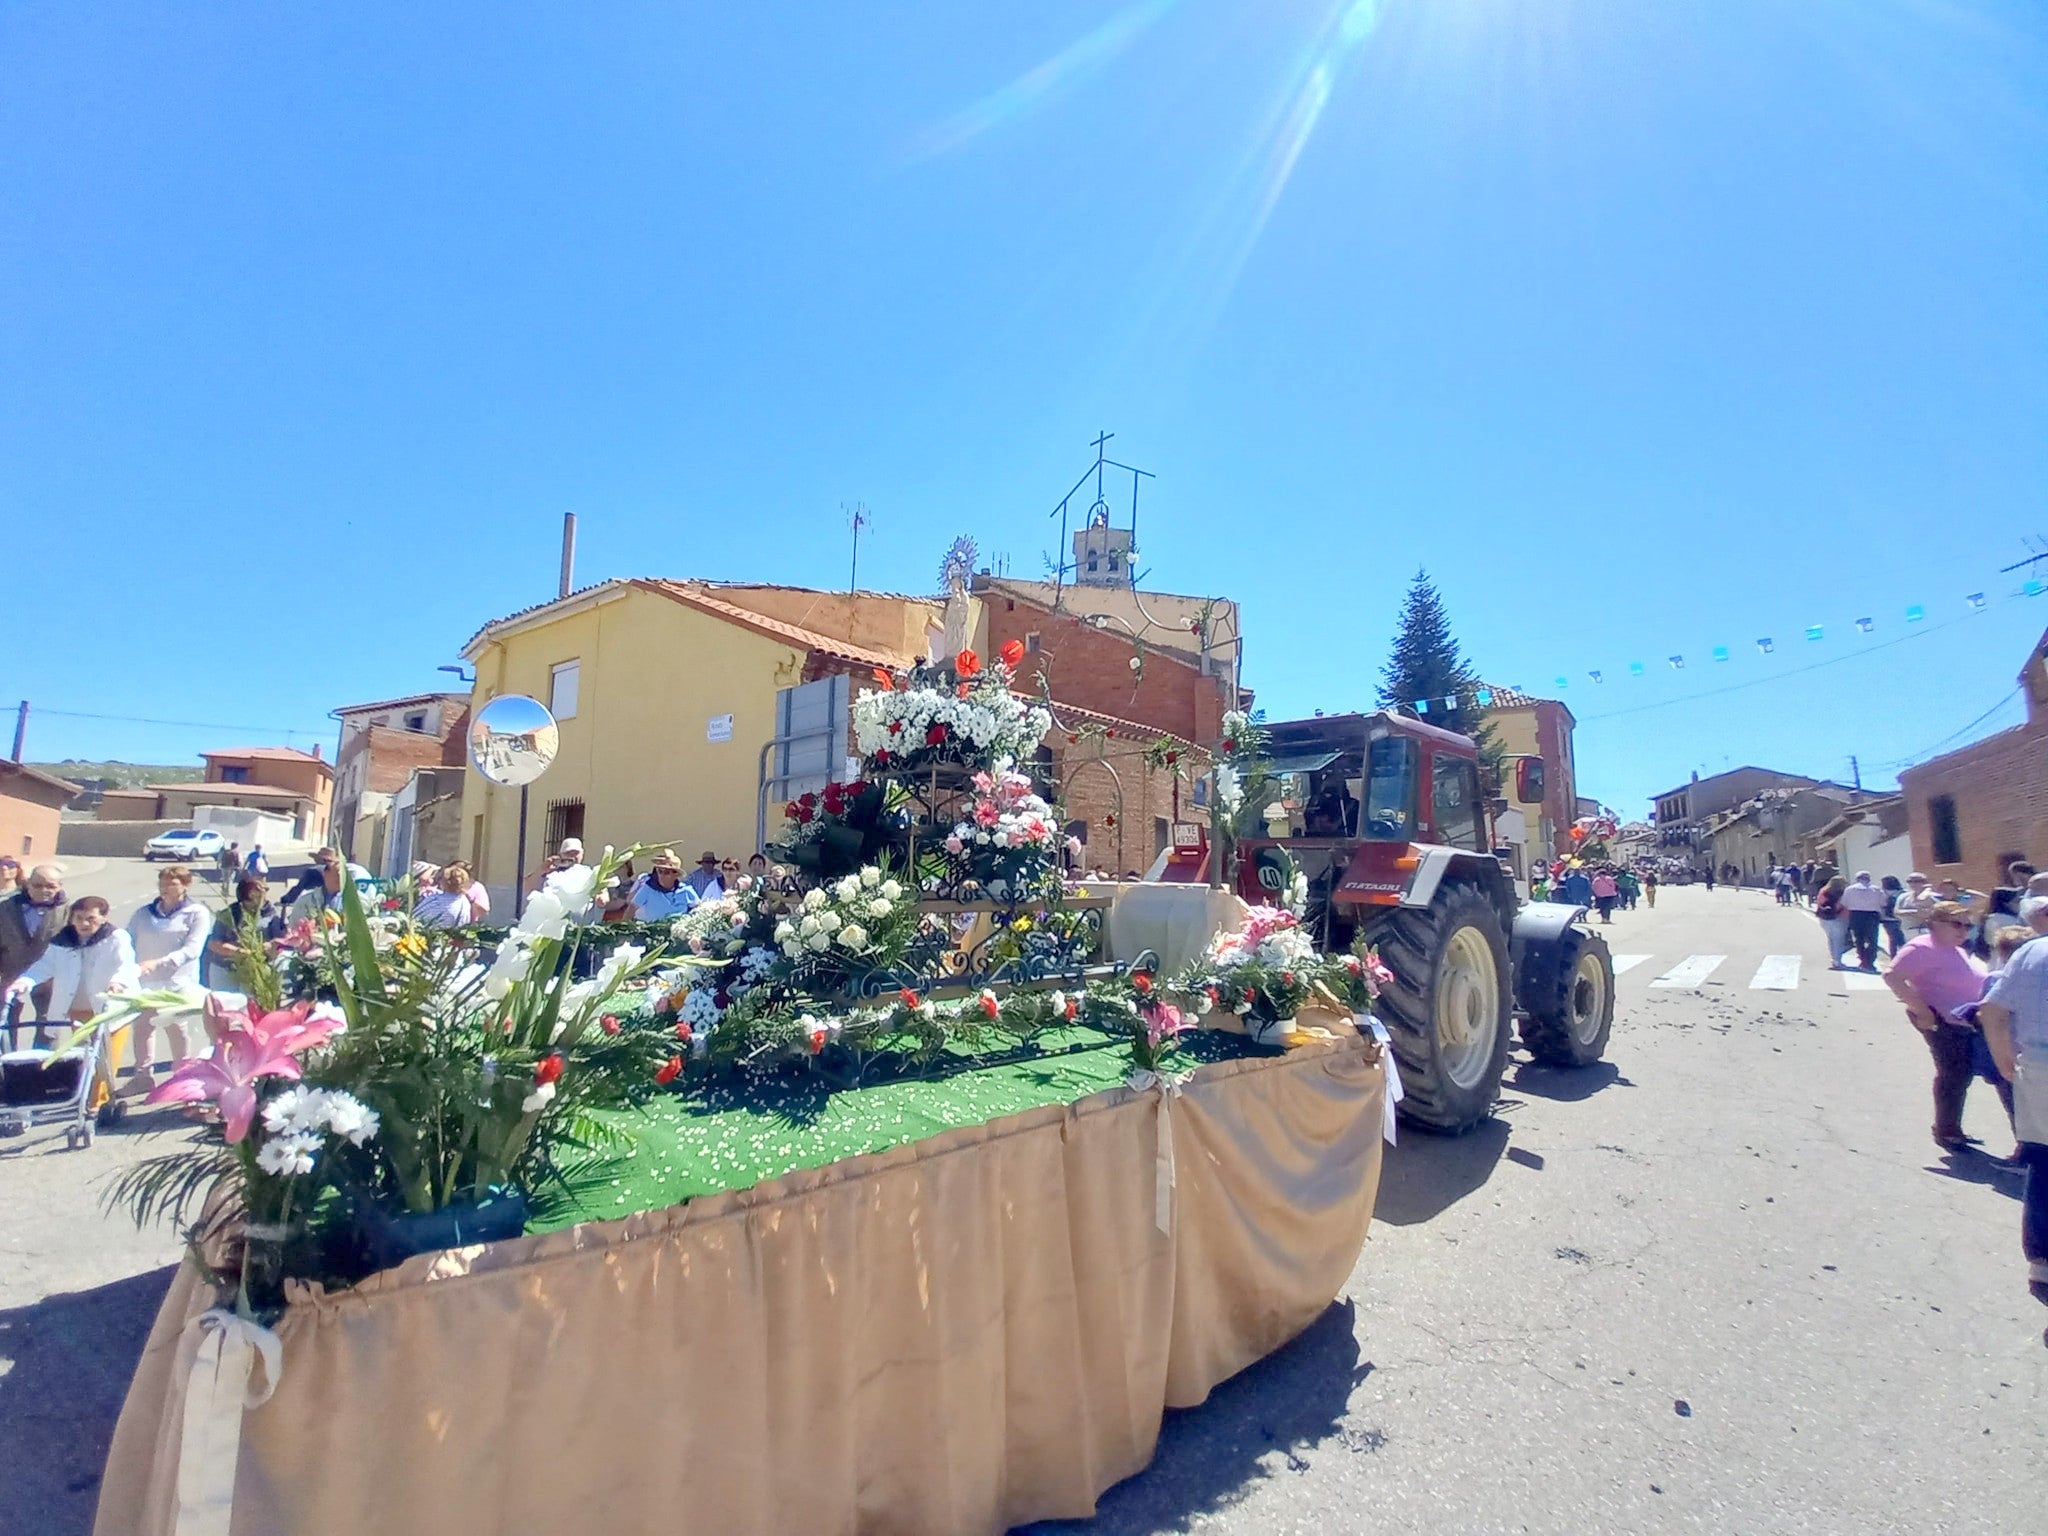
x=901, y=1191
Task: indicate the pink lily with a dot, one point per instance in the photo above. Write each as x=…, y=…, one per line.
x=248, y=1049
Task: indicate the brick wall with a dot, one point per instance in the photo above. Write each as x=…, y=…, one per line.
x=2000, y=789
x=1091, y=668
x=1126, y=804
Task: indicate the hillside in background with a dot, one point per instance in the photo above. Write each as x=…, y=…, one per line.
x=124, y=775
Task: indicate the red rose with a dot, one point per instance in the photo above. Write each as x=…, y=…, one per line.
x=683, y=1030
x=1172, y=758
x=990, y=1007
x=1215, y=997
x=910, y=998
x=817, y=1041
x=669, y=1070
x=1012, y=652
x=1251, y=994
x=1287, y=978
x=1073, y=1008
x=1142, y=982
x=1073, y=741
x=936, y=734
x=966, y=664
x=548, y=1068
x=881, y=759
x=1229, y=745
x=609, y=1023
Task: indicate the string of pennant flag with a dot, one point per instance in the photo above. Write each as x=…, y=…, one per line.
x=1766, y=645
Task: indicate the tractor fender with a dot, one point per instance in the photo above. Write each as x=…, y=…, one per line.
x=1436, y=862
x=1533, y=947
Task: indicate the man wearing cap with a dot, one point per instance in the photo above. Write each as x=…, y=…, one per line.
x=567, y=855
x=705, y=880
x=2014, y=1018
x=662, y=892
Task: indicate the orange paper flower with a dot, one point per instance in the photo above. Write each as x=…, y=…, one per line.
x=967, y=664
x=882, y=677
x=1012, y=652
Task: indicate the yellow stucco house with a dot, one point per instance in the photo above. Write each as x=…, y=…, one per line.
x=665, y=692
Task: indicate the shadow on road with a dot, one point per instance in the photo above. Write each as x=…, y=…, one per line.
x=1975, y=1168
x=1208, y=1457
x=1565, y=1085
x=67, y=1360
x=1424, y=1174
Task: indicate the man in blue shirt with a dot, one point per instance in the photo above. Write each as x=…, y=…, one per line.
x=662, y=892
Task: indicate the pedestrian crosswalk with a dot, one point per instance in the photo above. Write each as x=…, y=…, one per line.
x=1690, y=972
x=1774, y=973
x=1777, y=973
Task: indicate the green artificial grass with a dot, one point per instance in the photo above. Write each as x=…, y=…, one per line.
x=734, y=1134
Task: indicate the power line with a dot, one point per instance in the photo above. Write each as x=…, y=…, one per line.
x=197, y=725
x=1954, y=735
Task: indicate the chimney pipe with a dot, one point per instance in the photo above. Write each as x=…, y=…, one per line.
x=568, y=553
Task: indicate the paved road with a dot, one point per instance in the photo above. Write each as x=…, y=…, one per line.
x=1722, y=1283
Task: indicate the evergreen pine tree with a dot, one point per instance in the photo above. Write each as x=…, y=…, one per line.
x=1426, y=664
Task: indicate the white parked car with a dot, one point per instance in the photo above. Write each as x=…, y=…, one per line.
x=182, y=845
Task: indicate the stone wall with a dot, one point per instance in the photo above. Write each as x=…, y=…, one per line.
x=110, y=839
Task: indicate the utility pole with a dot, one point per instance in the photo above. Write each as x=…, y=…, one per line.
x=857, y=514
x=20, y=727
x=1855, y=773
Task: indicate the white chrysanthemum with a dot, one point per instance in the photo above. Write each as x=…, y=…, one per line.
x=351, y=1119
x=288, y=1155
x=282, y=1112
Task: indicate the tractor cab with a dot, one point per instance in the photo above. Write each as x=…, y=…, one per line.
x=1367, y=806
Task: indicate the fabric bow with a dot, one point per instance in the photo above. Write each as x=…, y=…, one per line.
x=1169, y=1084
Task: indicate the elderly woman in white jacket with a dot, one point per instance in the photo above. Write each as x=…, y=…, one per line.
x=86, y=961
x=169, y=935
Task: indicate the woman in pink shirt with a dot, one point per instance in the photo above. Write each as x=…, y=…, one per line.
x=1936, y=977
x=1605, y=889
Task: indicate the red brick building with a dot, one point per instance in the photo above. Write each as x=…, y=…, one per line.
x=1083, y=650
x=1974, y=810
x=1079, y=645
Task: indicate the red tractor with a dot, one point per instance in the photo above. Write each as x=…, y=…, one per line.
x=1385, y=818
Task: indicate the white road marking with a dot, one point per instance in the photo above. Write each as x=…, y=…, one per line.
x=1778, y=973
x=1627, y=962
x=1690, y=971
x=1863, y=981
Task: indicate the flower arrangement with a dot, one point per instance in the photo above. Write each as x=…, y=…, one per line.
x=1265, y=973
x=1008, y=839
x=430, y=1082
x=947, y=712
x=835, y=831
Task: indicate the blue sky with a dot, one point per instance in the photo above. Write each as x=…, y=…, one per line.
x=1647, y=326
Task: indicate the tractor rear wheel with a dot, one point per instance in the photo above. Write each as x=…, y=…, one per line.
x=1447, y=1008
x=1569, y=1026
